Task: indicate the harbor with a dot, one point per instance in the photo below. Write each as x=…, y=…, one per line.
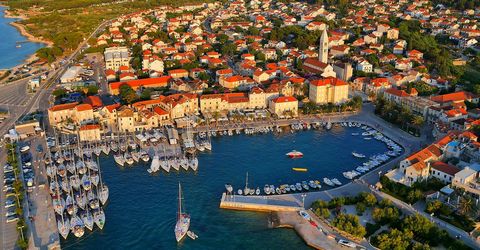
x=231, y=157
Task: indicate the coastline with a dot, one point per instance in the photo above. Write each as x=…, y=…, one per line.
x=22, y=29
x=23, y=32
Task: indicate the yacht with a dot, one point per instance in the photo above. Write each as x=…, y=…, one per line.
x=183, y=219
x=328, y=182
x=119, y=159
x=358, y=155
x=294, y=154
x=99, y=218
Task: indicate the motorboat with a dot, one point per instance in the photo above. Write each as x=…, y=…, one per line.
x=257, y=191
x=266, y=189
x=358, y=155
x=300, y=169
x=328, y=182
x=294, y=154
x=192, y=235
x=119, y=159
x=336, y=182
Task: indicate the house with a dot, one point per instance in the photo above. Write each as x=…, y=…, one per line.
x=416, y=167
x=114, y=87
x=284, y=106
x=317, y=67
x=115, y=57
x=364, y=66
x=466, y=179
x=443, y=171
x=328, y=90
x=90, y=132
x=178, y=73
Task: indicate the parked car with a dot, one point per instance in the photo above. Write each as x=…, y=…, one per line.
x=12, y=218
x=347, y=243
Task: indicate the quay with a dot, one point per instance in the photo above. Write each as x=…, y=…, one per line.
x=260, y=203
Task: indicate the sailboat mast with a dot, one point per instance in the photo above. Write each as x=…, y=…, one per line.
x=179, y=200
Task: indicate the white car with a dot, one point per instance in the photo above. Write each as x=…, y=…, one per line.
x=304, y=214
x=347, y=243
x=24, y=149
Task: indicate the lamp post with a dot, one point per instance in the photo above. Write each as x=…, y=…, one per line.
x=303, y=199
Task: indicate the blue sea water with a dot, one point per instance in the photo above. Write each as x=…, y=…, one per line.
x=11, y=56
x=141, y=212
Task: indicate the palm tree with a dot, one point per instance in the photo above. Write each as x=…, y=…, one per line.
x=466, y=205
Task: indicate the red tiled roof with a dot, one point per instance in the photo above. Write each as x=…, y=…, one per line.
x=160, y=111
x=94, y=100
x=63, y=106
x=84, y=107
x=396, y=92
x=453, y=97
x=281, y=99
x=90, y=127
x=445, y=168
x=328, y=81
x=142, y=82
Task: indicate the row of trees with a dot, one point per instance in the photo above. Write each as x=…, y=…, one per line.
x=404, y=231
x=354, y=104
x=12, y=160
x=397, y=114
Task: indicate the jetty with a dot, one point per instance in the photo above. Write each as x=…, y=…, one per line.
x=260, y=203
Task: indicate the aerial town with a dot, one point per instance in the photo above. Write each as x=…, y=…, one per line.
x=354, y=124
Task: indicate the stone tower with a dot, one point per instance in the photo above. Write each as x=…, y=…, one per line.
x=323, y=51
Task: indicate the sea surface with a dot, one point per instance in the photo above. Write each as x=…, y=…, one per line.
x=10, y=55
x=141, y=212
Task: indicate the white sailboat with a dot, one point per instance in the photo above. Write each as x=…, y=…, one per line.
x=183, y=219
x=155, y=166
x=99, y=218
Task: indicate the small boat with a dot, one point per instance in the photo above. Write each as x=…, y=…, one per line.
x=355, y=133
x=240, y=192
x=294, y=154
x=192, y=235
x=266, y=189
x=300, y=169
x=229, y=188
x=358, y=155
x=336, y=182
x=99, y=218
x=328, y=182
x=367, y=138
x=257, y=191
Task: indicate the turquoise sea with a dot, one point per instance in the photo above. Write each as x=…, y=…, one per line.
x=141, y=212
x=10, y=55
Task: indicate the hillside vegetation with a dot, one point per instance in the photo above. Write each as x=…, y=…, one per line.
x=66, y=23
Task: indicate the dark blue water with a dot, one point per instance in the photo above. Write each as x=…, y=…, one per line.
x=142, y=209
x=11, y=56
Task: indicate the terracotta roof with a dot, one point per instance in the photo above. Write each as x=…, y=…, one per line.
x=142, y=82
x=160, y=111
x=282, y=99
x=328, y=81
x=112, y=107
x=90, y=127
x=94, y=100
x=315, y=62
x=84, y=107
x=63, y=106
x=445, y=168
x=396, y=92
x=453, y=97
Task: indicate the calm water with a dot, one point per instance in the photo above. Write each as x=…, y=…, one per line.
x=141, y=212
x=11, y=56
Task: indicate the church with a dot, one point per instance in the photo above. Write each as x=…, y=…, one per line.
x=320, y=66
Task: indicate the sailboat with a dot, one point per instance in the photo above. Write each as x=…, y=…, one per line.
x=246, y=190
x=99, y=218
x=183, y=219
x=103, y=192
x=155, y=165
x=87, y=219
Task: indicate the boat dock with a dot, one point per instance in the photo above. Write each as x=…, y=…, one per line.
x=260, y=203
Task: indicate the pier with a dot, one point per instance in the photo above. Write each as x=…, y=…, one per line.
x=260, y=203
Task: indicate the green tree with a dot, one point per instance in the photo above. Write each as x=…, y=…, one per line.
x=466, y=205
x=127, y=94
x=350, y=224
x=394, y=239
x=59, y=93
x=229, y=49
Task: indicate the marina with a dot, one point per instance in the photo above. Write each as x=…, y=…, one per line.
x=135, y=192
